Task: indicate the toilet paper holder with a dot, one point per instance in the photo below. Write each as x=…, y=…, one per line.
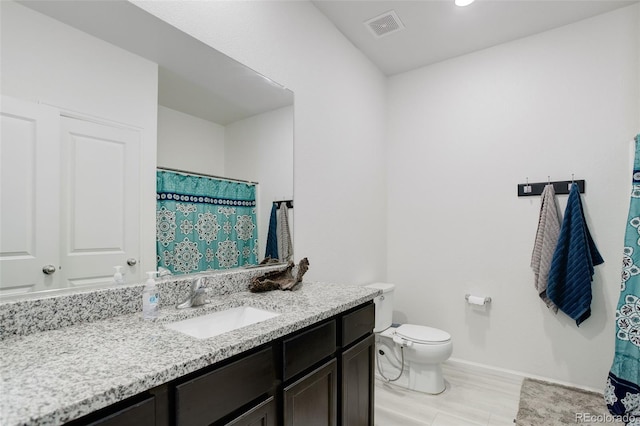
x=477, y=300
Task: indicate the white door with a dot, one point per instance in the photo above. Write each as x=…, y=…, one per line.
x=29, y=190
x=100, y=202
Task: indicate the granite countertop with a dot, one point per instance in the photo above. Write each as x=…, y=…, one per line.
x=54, y=376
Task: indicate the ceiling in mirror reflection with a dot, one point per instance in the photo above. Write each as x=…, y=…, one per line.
x=222, y=107
x=186, y=65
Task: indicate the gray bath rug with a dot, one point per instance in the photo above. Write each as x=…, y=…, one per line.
x=549, y=404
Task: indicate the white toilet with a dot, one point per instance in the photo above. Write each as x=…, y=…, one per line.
x=408, y=355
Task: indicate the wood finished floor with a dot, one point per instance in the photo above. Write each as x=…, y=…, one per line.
x=473, y=397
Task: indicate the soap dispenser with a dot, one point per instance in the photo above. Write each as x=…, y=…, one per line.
x=150, y=297
x=118, y=278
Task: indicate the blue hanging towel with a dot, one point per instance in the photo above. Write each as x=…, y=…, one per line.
x=622, y=392
x=569, y=285
x=272, y=236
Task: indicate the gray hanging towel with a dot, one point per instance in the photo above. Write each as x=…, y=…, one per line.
x=285, y=248
x=545, y=244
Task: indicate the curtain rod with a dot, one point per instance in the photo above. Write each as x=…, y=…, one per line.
x=168, y=169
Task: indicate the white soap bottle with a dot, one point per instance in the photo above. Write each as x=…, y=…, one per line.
x=150, y=297
x=118, y=278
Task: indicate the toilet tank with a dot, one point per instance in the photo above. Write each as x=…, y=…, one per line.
x=384, y=305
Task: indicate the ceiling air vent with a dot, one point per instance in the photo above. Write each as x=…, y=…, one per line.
x=385, y=24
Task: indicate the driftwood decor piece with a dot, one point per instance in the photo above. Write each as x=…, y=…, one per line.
x=283, y=280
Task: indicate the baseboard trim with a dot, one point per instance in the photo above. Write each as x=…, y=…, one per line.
x=462, y=364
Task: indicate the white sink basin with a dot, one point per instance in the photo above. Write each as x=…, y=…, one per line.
x=216, y=323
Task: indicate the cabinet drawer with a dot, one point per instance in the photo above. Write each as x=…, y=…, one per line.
x=142, y=413
x=356, y=324
x=307, y=348
x=213, y=395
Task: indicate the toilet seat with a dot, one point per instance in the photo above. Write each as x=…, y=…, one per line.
x=423, y=334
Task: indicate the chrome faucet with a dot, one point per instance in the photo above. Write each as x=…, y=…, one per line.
x=197, y=295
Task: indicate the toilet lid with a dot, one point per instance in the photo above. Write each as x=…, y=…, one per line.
x=422, y=334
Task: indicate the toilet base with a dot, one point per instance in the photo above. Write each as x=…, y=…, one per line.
x=426, y=378
x=421, y=377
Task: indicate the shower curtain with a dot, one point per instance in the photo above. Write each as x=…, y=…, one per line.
x=204, y=223
x=622, y=392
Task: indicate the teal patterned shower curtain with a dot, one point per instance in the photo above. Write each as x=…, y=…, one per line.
x=622, y=391
x=204, y=223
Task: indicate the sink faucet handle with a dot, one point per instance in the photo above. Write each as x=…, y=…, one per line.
x=197, y=294
x=200, y=296
x=197, y=283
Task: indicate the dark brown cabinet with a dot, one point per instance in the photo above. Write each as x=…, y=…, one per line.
x=319, y=376
x=356, y=366
x=310, y=374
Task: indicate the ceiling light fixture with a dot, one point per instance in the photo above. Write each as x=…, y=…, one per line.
x=463, y=3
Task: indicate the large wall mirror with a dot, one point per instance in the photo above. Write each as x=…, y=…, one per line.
x=83, y=69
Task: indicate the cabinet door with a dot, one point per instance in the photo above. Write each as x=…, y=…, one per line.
x=263, y=414
x=357, y=398
x=29, y=190
x=312, y=400
x=100, y=201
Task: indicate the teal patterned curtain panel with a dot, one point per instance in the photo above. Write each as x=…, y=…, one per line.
x=204, y=223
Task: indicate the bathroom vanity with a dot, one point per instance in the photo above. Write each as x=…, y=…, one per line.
x=313, y=364
x=322, y=374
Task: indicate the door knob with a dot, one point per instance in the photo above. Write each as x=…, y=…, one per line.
x=48, y=269
x=131, y=261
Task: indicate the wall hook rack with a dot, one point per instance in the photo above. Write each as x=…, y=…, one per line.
x=288, y=203
x=561, y=187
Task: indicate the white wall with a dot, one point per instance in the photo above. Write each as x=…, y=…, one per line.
x=190, y=143
x=260, y=149
x=462, y=134
x=340, y=176
x=46, y=61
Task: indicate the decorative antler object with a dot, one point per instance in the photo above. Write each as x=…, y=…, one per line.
x=283, y=280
